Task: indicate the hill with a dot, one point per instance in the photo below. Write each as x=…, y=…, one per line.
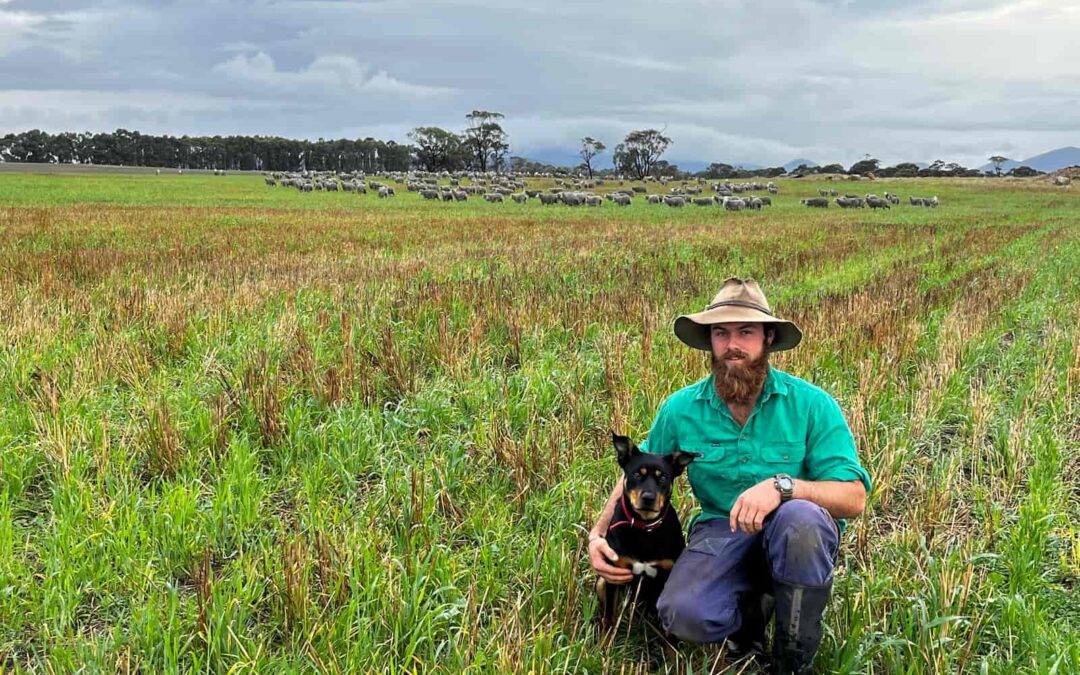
x=1051, y=160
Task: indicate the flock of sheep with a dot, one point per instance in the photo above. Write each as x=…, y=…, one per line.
x=496, y=188
x=870, y=200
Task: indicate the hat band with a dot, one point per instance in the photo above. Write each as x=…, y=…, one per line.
x=738, y=303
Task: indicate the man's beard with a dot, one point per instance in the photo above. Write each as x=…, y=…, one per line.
x=739, y=384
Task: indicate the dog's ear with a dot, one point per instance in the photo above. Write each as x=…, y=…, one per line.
x=679, y=460
x=624, y=448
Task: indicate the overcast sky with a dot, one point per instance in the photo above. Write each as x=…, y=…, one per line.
x=730, y=80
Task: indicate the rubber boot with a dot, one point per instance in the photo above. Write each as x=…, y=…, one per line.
x=749, y=638
x=798, y=626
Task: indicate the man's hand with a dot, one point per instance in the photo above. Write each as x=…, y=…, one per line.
x=753, y=505
x=599, y=555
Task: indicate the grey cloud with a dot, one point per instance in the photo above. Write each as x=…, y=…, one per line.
x=732, y=80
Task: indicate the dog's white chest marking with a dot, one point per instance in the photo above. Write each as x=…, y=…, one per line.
x=648, y=569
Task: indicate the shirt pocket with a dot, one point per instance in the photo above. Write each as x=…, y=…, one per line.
x=784, y=457
x=716, y=463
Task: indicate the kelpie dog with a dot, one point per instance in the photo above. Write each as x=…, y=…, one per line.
x=644, y=530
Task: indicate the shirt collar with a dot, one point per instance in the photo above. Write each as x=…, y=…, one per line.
x=774, y=384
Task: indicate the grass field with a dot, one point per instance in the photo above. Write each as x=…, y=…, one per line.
x=244, y=429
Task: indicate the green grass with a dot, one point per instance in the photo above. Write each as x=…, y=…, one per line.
x=247, y=429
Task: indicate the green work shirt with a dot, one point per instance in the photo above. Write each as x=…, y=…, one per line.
x=795, y=428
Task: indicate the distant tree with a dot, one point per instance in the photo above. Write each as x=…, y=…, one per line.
x=590, y=147
x=1024, y=172
x=905, y=170
x=717, y=170
x=997, y=161
x=639, y=151
x=486, y=139
x=864, y=166
x=831, y=168
x=438, y=149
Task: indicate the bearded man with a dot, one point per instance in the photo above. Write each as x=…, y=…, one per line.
x=777, y=476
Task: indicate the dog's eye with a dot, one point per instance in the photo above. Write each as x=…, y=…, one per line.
x=643, y=472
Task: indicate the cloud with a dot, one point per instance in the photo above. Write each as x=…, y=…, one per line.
x=332, y=74
x=730, y=80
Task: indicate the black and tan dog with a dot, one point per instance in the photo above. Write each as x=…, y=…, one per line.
x=644, y=530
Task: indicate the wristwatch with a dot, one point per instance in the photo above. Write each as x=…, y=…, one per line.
x=785, y=485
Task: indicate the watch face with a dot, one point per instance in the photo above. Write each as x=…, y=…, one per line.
x=785, y=483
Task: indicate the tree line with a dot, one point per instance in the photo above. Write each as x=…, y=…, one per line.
x=483, y=145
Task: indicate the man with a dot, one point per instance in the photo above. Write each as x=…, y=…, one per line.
x=778, y=471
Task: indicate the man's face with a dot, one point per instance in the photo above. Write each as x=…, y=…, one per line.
x=738, y=344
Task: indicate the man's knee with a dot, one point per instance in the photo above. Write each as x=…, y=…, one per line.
x=690, y=617
x=802, y=543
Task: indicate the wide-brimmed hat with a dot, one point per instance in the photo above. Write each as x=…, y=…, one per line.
x=738, y=300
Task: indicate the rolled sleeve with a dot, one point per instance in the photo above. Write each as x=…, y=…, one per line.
x=830, y=447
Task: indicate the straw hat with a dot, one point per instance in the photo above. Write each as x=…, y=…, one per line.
x=738, y=300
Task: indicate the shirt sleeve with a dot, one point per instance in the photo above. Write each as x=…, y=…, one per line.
x=830, y=447
x=661, y=439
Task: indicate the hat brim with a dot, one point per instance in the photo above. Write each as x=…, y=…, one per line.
x=693, y=329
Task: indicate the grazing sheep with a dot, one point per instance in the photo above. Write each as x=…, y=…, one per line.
x=593, y=200
x=429, y=194
x=734, y=204
x=546, y=198
x=893, y=199
x=875, y=202
x=385, y=191
x=520, y=198
x=674, y=202
x=638, y=188
x=816, y=202
x=361, y=189
x=916, y=201
x=823, y=192
x=754, y=203
x=269, y=181
x=460, y=196
x=653, y=199
x=493, y=197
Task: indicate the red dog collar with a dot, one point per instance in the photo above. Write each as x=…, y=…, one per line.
x=647, y=525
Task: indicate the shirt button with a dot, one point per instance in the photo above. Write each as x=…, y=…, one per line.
x=745, y=460
x=785, y=456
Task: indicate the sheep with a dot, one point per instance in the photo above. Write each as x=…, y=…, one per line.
x=385, y=191
x=875, y=202
x=766, y=201
x=429, y=194
x=823, y=192
x=916, y=201
x=816, y=202
x=653, y=199
x=520, y=198
x=734, y=204
x=460, y=196
x=546, y=198
x=493, y=197
x=893, y=199
x=621, y=199
x=703, y=201
x=361, y=189
x=754, y=203
x=674, y=202
x=269, y=181
x=593, y=200
x=638, y=188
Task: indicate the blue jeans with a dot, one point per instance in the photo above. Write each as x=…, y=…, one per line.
x=700, y=603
